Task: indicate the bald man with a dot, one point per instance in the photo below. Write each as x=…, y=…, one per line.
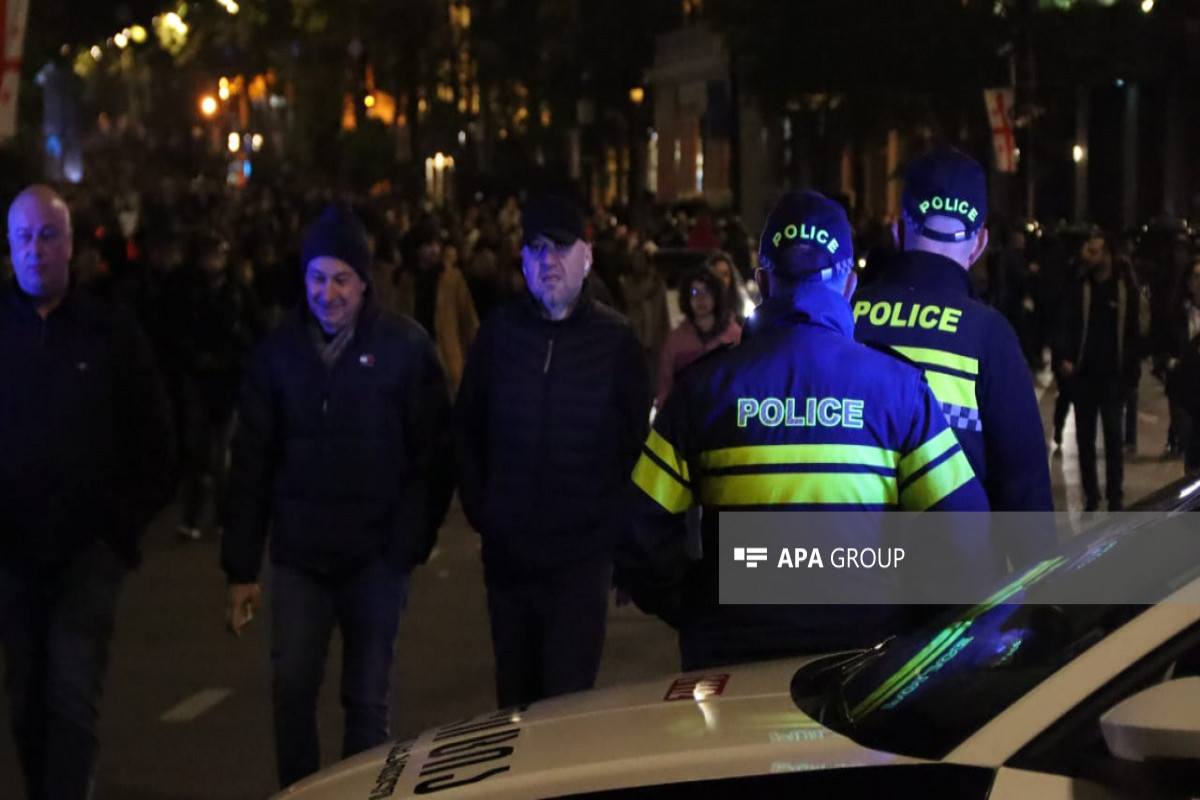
x=87, y=462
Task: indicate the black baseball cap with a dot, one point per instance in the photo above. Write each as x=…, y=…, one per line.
x=553, y=217
x=946, y=183
x=807, y=236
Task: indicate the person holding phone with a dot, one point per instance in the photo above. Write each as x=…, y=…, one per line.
x=342, y=452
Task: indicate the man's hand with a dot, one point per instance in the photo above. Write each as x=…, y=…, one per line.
x=241, y=601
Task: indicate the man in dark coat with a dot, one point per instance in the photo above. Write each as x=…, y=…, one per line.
x=1098, y=349
x=342, y=451
x=88, y=461
x=551, y=413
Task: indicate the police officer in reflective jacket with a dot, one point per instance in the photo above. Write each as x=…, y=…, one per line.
x=922, y=306
x=797, y=417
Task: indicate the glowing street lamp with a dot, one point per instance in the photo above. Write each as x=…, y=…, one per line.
x=1147, y=6
x=636, y=95
x=138, y=34
x=235, y=142
x=208, y=105
x=1077, y=153
x=121, y=40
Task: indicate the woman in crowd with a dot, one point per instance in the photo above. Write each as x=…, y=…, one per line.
x=707, y=325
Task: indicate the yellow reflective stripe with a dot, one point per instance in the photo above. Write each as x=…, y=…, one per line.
x=860, y=455
x=927, y=453
x=952, y=389
x=662, y=487
x=667, y=454
x=940, y=358
x=937, y=484
x=821, y=488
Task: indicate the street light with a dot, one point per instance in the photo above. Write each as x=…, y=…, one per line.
x=208, y=105
x=1147, y=6
x=235, y=142
x=636, y=95
x=138, y=34
x=1077, y=154
x=369, y=101
x=121, y=40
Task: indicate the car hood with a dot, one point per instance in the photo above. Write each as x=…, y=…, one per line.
x=694, y=726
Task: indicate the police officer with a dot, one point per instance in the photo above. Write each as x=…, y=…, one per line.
x=722, y=441
x=924, y=308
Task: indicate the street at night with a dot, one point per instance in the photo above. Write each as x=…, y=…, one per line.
x=604, y=399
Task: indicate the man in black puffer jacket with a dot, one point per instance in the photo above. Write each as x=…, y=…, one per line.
x=343, y=452
x=551, y=413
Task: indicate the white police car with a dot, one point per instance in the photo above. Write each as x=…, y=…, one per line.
x=1002, y=700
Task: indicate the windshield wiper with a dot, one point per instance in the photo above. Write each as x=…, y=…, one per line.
x=818, y=688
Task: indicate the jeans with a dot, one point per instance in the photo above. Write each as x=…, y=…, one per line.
x=1062, y=404
x=56, y=624
x=1189, y=432
x=366, y=606
x=1105, y=400
x=548, y=632
x=1131, y=416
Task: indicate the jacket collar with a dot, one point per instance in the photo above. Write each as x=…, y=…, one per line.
x=928, y=271
x=366, y=316
x=812, y=304
x=22, y=305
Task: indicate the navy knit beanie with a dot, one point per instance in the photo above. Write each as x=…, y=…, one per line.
x=339, y=234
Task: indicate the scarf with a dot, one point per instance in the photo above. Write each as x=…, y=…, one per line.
x=330, y=349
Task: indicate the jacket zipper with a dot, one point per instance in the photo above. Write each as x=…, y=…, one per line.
x=540, y=477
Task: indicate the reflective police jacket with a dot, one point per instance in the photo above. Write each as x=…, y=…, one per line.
x=797, y=417
x=922, y=306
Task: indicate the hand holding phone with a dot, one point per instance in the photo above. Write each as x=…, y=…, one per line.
x=241, y=601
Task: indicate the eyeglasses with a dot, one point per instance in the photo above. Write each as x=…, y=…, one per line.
x=701, y=292
x=23, y=236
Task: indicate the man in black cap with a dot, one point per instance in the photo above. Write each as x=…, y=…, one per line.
x=342, y=452
x=923, y=306
x=552, y=409
x=798, y=417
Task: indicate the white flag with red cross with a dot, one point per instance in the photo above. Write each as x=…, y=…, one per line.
x=1000, y=118
x=14, y=14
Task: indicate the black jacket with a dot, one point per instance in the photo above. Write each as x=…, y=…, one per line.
x=549, y=422
x=344, y=466
x=1071, y=339
x=84, y=430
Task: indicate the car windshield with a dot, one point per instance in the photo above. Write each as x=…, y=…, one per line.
x=922, y=694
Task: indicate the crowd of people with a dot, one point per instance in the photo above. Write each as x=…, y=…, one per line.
x=317, y=374
x=1149, y=279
